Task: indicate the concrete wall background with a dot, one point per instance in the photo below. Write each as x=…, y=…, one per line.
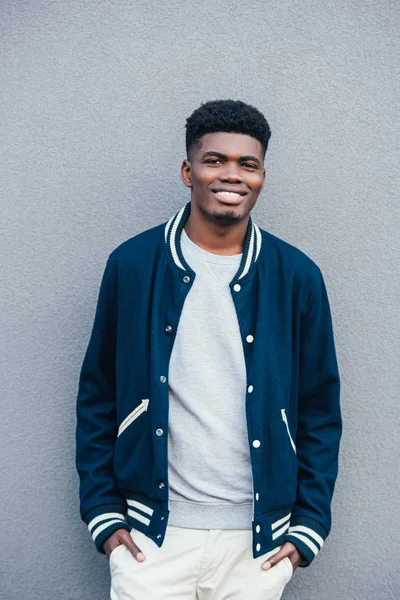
x=93, y=97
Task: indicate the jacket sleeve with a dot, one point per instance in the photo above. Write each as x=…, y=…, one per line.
x=102, y=507
x=319, y=425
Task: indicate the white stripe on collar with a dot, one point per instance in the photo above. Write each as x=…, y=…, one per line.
x=258, y=240
x=172, y=243
x=249, y=254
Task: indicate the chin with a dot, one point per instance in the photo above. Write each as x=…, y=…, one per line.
x=223, y=215
x=227, y=218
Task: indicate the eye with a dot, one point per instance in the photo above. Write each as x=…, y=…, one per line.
x=212, y=160
x=250, y=165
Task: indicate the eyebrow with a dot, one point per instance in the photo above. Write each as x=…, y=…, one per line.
x=242, y=158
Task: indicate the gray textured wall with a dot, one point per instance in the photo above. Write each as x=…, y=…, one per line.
x=93, y=97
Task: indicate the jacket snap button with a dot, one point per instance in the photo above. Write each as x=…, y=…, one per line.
x=159, y=431
x=256, y=443
x=250, y=389
x=186, y=279
x=257, y=496
x=159, y=535
x=249, y=339
x=258, y=547
x=258, y=528
x=237, y=287
x=161, y=485
x=168, y=329
x=163, y=379
x=162, y=518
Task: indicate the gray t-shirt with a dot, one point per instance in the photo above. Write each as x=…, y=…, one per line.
x=210, y=480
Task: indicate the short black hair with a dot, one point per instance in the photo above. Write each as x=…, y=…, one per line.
x=232, y=116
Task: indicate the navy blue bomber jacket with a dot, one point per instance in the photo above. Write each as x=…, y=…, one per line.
x=292, y=399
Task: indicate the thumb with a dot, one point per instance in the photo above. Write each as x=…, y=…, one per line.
x=132, y=547
x=275, y=558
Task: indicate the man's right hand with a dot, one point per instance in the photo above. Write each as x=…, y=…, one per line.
x=122, y=536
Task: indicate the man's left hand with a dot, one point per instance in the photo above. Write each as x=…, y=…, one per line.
x=288, y=549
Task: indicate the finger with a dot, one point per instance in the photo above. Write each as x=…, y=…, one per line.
x=112, y=542
x=286, y=550
x=274, y=559
x=297, y=558
x=136, y=552
x=109, y=546
x=108, y=549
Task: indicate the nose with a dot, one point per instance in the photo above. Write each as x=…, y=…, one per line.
x=231, y=172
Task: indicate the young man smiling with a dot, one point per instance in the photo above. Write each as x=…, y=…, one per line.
x=208, y=405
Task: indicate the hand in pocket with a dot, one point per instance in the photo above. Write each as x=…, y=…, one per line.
x=123, y=537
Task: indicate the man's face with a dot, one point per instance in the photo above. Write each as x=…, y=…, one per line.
x=226, y=175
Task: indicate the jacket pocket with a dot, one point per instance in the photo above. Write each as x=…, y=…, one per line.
x=133, y=415
x=284, y=419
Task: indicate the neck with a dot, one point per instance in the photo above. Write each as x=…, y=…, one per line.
x=213, y=236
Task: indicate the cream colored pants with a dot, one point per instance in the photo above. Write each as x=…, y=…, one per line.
x=196, y=564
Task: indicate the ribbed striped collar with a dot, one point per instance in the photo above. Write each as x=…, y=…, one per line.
x=173, y=232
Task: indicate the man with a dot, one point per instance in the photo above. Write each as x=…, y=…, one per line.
x=208, y=406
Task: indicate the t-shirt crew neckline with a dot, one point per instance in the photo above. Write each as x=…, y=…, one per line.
x=210, y=257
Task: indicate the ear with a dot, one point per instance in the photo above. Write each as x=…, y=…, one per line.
x=186, y=172
x=264, y=178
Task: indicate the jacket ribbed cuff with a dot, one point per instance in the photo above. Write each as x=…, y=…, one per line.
x=307, y=535
x=102, y=521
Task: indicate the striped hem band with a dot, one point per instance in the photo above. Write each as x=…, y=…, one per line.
x=103, y=521
x=307, y=539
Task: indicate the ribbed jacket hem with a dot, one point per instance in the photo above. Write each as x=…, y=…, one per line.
x=307, y=535
x=103, y=520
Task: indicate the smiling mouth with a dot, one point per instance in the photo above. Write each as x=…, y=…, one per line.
x=229, y=197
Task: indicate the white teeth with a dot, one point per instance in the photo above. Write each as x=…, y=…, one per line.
x=233, y=194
